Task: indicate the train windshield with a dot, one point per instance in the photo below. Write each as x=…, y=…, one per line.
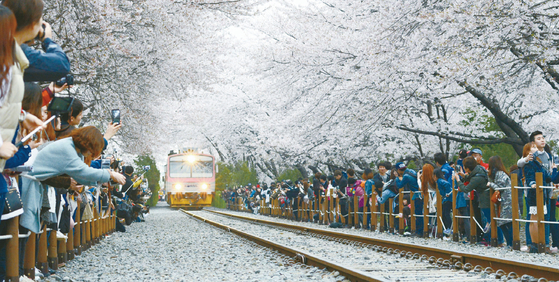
x=191, y=166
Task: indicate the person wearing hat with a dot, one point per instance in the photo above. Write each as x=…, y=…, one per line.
x=477, y=154
x=407, y=178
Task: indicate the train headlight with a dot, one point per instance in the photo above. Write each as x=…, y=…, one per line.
x=204, y=186
x=178, y=186
x=191, y=159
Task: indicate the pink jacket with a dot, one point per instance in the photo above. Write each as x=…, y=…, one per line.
x=358, y=191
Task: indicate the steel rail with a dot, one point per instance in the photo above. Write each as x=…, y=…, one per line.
x=298, y=255
x=509, y=266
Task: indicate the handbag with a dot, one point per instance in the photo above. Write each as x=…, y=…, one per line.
x=496, y=197
x=13, y=205
x=64, y=224
x=87, y=212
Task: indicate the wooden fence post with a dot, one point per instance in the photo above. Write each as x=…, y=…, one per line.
x=93, y=227
x=42, y=261
x=12, y=250
x=401, y=212
x=87, y=234
x=70, y=244
x=62, y=256
x=412, y=212
x=426, y=215
x=473, y=226
x=540, y=216
x=77, y=232
x=439, y=214
x=455, y=232
x=493, y=222
x=29, y=260
x=331, y=200
x=515, y=213
x=391, y=215
x=52, y=250
x=355, y=211
x=365, y=216
x=374, y=211
x=382, y=218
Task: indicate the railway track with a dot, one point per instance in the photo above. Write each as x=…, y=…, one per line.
x=442, y=258
x=368, y=265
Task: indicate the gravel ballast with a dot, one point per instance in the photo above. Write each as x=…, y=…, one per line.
x=550, y=260
x=171, y=246
x=362, y=258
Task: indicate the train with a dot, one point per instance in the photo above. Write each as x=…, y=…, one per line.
x=189, y=180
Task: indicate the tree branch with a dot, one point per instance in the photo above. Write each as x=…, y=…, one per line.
x=506, y=140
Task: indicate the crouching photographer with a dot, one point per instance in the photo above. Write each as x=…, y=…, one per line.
x=129, y=204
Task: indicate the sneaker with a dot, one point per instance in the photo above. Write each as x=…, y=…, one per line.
x=407, y=233
x=552, y=250
x=38, y=273
x=24, y=278
x=482, y=243
x=524, y=248
x=447, y=232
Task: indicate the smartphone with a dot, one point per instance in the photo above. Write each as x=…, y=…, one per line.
x=115, y=116
x=60, y=105
x=22, y=168
x=105, y=163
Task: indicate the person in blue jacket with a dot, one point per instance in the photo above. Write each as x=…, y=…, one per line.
x=49, y=64
x=407, y=178
x=440, y=161
x=445, y=190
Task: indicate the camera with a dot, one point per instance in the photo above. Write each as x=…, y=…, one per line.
x=41, y=34
x=68, y=79
x=147, y=167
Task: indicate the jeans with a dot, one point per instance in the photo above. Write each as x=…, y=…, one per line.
x=386, y=194
x=527, y=224
x=507, y=232
x=418, y=220
x=465, y=211
x=447, y=219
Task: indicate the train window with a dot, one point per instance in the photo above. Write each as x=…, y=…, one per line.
x=188, y=167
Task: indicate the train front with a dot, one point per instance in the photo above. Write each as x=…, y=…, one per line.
x=190, y=180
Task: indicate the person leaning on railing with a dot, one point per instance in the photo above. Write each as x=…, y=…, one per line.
x=477, y=178
x=66, y=156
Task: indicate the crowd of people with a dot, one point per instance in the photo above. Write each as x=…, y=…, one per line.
x=469, y=175
x=49, y=163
